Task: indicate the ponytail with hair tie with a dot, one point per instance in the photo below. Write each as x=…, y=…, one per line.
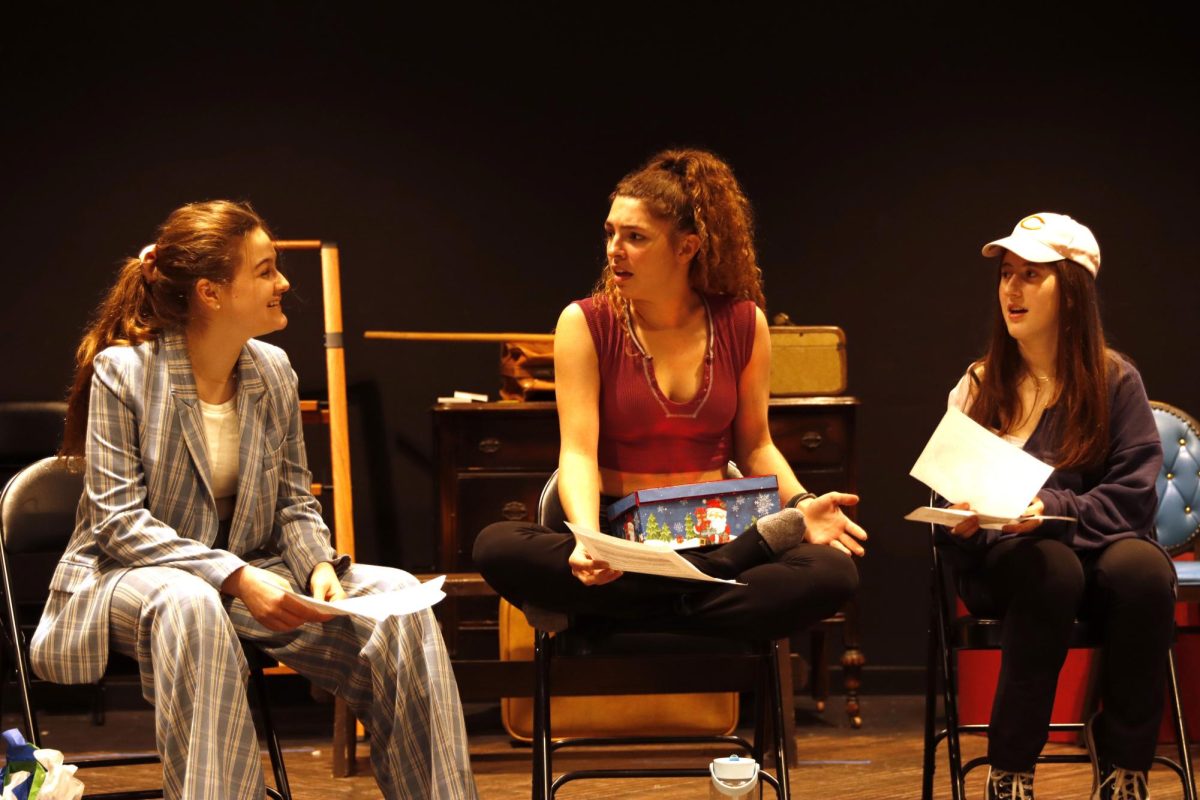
x=148, y=256
x=201, y=242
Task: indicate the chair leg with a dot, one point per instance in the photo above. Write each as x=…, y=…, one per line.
x=259, y=689
x=931, y=686
x=1185, y=756
x=781, y=759
x=762, y=722
x=820, y=666
x=542, y=768
x=22, y=664
x=949, y=695
x=99, y=704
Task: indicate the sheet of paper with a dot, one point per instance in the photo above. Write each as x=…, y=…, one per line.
x=382, y=605
x=638, y=557
x=952, y=516
x=964, y=461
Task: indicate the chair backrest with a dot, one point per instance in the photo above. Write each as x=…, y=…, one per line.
x=37, y=507
x=28, y=431
x=550, y=511
x=1178, y=484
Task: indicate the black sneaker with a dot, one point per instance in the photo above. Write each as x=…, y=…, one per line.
x=1110, y=782
x=1003, y=785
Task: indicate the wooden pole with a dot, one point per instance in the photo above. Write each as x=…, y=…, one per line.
x=438, y=336
x=345, y=729
x=339, y=425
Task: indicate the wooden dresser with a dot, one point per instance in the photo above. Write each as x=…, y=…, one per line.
x=493, y=459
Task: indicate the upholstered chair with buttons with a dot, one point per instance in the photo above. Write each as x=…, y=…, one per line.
x=1178, y=520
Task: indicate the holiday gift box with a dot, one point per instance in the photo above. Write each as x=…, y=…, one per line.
x=694, y=514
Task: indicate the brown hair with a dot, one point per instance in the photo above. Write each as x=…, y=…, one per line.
x=152, y=294
x=698, y=193
x=1084, y=366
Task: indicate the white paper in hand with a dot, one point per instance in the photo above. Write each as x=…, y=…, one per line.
x=382, y=605
x=952, y=516
x=639, y=557
x=965, y=462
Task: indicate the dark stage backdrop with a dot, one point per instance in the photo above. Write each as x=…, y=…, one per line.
x=463, y=165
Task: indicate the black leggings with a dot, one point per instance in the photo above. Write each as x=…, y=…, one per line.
x=1038, y=587
x=527, y=563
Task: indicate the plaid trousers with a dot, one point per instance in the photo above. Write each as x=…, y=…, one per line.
x=395, y=675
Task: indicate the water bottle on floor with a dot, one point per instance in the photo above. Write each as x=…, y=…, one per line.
x=732, y=777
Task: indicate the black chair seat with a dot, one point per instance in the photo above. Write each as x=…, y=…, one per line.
x=603, y=637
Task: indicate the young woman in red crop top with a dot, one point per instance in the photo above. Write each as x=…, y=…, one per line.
x=661, y=379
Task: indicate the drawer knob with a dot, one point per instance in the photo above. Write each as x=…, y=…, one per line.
x=811, y=440
x=490, y=446
x=514, y=510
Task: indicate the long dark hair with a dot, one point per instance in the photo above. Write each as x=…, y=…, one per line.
x=1084, y=365
x=697, y=192
x=152, y=294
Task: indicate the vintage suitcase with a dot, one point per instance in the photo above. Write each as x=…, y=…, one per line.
x=609, y=715
x=807, y=360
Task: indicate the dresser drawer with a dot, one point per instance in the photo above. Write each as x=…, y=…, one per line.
x=820, y=481
x=816, y=438
x=489, y=441
x=486, y=497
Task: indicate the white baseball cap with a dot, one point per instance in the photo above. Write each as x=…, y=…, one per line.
x=1045, y=237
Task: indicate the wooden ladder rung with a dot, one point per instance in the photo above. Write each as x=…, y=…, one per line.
x=314, y=412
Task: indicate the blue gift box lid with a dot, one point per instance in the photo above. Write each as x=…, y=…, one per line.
x=705, y=489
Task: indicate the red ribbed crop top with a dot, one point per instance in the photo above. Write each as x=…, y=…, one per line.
x=641, y=429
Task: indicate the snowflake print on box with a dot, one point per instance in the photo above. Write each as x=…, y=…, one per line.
x=694, y=514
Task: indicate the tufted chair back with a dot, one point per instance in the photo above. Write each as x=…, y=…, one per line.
x=1179, y=482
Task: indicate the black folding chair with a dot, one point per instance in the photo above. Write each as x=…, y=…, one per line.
x=745, y=666
x=37, y=516
x=947, y=636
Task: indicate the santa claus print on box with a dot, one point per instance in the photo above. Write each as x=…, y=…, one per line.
x=694, y=514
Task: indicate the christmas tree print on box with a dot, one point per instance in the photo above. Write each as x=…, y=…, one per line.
x=694, y=514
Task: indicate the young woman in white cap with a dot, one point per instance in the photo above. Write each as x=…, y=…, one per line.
x=1049, y=383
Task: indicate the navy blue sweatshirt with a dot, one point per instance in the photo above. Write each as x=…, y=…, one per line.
x=1113, y=500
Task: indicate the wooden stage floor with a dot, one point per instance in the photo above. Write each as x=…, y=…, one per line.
x=882, y=760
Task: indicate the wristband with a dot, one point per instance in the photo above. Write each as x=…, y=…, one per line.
x=800, y=498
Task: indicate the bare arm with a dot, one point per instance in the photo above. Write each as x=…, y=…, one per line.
x=757, y=454
x=577, y=390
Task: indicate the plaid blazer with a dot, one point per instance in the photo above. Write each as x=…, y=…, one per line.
x=147, y=498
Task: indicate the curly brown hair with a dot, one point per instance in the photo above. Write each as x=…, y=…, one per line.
x=696, y=191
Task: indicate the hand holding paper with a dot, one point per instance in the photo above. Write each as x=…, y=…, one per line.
x=951, y=517
x=638, y=557
x=965, y=462
x=382, y=605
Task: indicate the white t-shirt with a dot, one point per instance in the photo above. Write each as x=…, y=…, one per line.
x=221, y=435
